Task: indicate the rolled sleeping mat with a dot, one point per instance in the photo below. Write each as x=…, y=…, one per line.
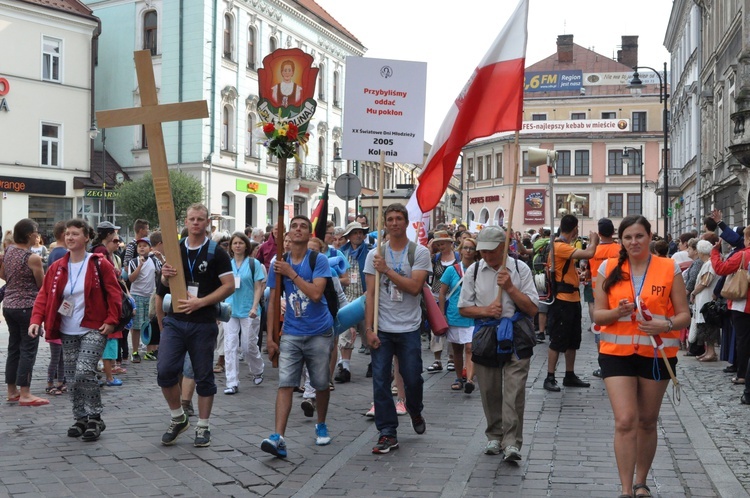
x=350, y=315
x=146, y=333
x=435, y=317
x=222, y=310
x=337, y=264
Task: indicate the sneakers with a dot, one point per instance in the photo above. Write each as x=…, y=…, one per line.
x=343, y=375
x=321, y=434
x=308, y=406
x=400, y=407
x=151, y=355
x=418, y=424
x=550, y=384
x=371, y=412
x=451, y=367
x=176, y=427
x=492, y=448
x=540, y=338
x=362, y=349
x=136, y=357
x=597, y=373
x=202, y=437
x=94, y=428
x=385, y=444
x=275, y=445
x=512, y=454
x=232, y=390
x=115, y=382
x=574, y=381
x=258, y=379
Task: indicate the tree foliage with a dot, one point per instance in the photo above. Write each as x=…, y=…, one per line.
x=137, y=200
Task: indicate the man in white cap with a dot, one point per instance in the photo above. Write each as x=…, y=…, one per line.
x=502, y=385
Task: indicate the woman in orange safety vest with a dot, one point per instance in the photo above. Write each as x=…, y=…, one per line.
x=636, y=296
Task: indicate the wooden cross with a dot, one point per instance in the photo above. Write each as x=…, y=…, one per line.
x=152, y=115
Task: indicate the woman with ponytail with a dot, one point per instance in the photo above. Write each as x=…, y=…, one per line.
x=637, y=296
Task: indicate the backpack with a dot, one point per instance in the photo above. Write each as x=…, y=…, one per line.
x=133, y=264
x=540, y=258
x=128, y=310
x=332, y=297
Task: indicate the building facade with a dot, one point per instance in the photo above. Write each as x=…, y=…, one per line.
x=211, y=50
x=46, y=53
x=578, y=103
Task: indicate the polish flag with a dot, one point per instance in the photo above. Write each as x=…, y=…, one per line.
x=491, y=102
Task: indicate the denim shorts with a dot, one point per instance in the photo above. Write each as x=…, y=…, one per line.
x=313, y=351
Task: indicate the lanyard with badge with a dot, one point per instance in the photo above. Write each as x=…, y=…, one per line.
x=237, y=278
x=192, y=286
x=66, y=307
x=396, y=295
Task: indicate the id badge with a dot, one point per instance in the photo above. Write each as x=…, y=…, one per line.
x=237, y=281
x=192, y=288
x=66, y=307
x=297, y=309
x=353, y=277
x=396, y=295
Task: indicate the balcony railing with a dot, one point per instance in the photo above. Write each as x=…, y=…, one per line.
x=302, y=171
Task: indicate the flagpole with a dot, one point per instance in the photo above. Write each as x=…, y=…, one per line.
x=379, y=240
x=510, y=216
x=276, y=291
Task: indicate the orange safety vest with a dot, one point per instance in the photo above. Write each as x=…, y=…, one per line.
x=622, y=338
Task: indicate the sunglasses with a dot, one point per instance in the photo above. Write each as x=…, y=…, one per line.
x=116, y=241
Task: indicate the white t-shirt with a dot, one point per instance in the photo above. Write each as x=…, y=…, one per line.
x=74, y=291
x=394, y=315
x=145, y=283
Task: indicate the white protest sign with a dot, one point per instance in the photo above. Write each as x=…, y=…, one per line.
x=384, y=111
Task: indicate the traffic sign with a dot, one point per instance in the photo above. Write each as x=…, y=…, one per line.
x=669, y=212
x=348, y=186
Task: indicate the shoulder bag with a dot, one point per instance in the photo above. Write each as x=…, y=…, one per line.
x=735, y=286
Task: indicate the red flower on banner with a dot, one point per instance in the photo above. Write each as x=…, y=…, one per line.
x=268, y=128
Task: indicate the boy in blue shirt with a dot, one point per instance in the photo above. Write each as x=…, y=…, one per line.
x=308, y=333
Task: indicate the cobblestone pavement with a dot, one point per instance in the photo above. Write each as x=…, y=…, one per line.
x=703, y=447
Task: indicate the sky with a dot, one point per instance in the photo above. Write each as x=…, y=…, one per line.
x=452, y=40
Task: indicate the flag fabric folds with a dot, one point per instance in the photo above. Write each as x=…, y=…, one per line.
x=491, y=102
x=320, y=216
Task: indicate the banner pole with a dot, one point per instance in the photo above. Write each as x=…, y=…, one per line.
x=379, y=241
x=276, y=294
x=509, y=231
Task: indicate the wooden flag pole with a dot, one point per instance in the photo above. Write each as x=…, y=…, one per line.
x=510, y=216
x=152, y=115
x=379, y=241
x=276, y=294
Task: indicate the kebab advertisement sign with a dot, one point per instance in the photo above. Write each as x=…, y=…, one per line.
x=286, y=84
x=533, y=205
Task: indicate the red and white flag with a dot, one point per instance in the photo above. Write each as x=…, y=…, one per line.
x=491, y=102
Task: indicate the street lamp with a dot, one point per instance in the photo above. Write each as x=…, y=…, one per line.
x=626, y=163
x=468, y=197
x=636, y=87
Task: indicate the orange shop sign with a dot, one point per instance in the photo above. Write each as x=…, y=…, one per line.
x=251, y=186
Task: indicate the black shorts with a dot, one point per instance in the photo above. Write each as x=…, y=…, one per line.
x=564, y=325
x=635, y=366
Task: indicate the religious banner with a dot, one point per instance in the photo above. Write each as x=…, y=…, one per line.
x=286, y=86
x=533, y=205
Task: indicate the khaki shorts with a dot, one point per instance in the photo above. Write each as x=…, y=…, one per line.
x=347, y=338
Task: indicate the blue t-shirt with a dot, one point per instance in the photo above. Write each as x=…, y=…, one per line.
x=451, y=279
x=304, y=316
x=242, y=299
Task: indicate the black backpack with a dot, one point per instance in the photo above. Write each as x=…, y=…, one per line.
x=332, y=297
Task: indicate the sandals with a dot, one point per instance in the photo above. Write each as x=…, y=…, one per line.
x=458, y=385
x=53, y=391
x=94, y=428
x=435, y=367
x=451, y=366
x=77, y=429
x=642, y=486
x=218, y=368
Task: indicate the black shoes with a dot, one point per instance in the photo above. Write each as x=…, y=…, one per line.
x=745, y=399
x=574, y=381
x=730, y=369
x=369, y=371
x=540, y=338
x=343, y=375
x=308, y=407
x=550, y=384
x=597, y=373
x=94, y=428
x=419, y=424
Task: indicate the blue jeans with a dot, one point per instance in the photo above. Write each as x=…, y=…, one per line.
x=407, y=347
x=297, y=351
x=196, y=339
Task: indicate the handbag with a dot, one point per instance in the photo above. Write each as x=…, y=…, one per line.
x=735, y=286
x=706, y=278
x=712, y=312
x=484, y=343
